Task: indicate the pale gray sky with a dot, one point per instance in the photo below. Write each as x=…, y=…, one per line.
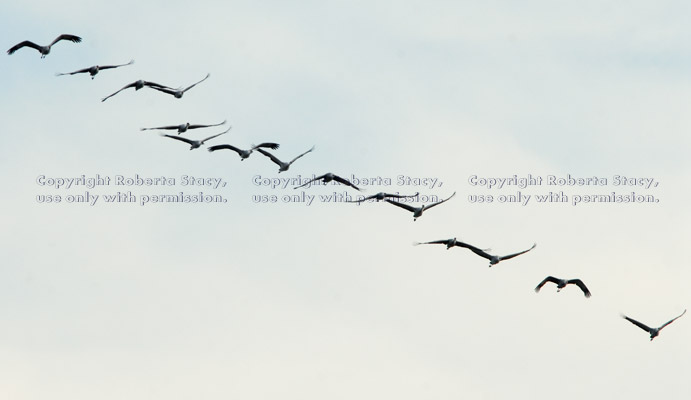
x=256, y=301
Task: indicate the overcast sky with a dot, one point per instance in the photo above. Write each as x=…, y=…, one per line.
x=312, y=299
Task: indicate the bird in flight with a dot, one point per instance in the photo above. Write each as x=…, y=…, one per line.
x=194, y=144
x=653, y=331
x=179, y=92
x=282, y=166
x=561, y=283
x=182, y=128
x=244, y=153
x=93, y=70
x=417, y=211
x=495, y=259
x=328, y=177
x=136, y=85
x=382, y=196
x=44, y=50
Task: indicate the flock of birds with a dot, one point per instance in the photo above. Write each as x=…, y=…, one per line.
x=325, y=178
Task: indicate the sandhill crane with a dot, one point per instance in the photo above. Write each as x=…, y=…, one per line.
x=561, y=283
x=328, y=177
x=244, y=153
x=182, y=128
x=653, y=331
x=194, y=144
x=381, y=196
x=494, y=259
x=417, y=211
x=136, y=85
x=44, y=50
x=93, y=70
x=282, y=166
x=179, y=92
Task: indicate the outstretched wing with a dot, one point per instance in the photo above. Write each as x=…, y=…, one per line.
x=25, y=43
x=182, y=139
x=308, y=182
x=638, y=324
x=66, y=36
x=114, y=66
x=133, y=84
x=548, y=279
x=79, y=71
x=226, y=147
x=516, y=254
x=195, y=84
x=162, y=88
x=402, y=205
x=475, y=250
x=205, y=126
x=439, y=202
x=345, y=182
x=445, y=241
x=581, y=285
x=362, y=199
x=216, y=135
x=268, y=145
x=672, y=320
x=272, y=157
x=293, y=160
x=400, y=196
x=155, y=85
x=160, y=127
